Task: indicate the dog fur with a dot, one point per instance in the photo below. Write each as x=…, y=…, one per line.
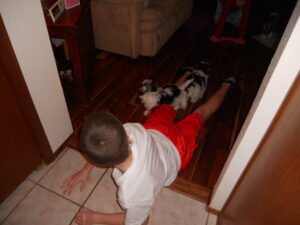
x=191, y=90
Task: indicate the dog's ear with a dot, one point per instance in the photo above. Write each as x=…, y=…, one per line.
x=152, y=86
x=142, y=89
x=205, y=67
x=147, y=86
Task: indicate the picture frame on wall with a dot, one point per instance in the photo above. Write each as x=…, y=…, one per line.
x=57, y=9
x=71, y=3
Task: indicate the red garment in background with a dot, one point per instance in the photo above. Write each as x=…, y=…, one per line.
x=230, y=6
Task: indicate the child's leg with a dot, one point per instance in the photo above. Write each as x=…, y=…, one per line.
x=214, y=102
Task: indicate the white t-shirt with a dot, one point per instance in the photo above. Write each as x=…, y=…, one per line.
x=155, y=164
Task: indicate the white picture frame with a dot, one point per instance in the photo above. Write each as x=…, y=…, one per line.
x=57, y=9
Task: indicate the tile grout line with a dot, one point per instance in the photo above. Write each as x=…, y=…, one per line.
x=54, y=163
x=36, y=183
x=22, y=199
x=206, y=223
x=89, y=195
x=69, y=200
x=47, y=171
x=62, y=196
x=59, y=195
x=73, y=219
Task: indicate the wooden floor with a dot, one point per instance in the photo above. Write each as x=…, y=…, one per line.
x=115, y=81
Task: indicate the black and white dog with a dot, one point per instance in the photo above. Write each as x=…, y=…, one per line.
x=191, y=90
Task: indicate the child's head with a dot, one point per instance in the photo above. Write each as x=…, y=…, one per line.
x=103, y=139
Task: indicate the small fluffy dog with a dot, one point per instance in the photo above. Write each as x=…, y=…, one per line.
x=191, y=90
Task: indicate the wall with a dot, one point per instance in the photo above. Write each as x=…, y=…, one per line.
x=277, y=82
x=27, y=30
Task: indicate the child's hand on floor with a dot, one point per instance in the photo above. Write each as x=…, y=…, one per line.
x=70, y=183
x=85, y=217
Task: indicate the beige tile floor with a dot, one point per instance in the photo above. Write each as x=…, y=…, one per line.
x=39, y=200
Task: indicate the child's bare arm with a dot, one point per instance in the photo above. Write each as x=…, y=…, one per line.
x=81, y=176
x=88, y=217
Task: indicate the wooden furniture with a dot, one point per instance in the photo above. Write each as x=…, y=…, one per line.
x=75, y=26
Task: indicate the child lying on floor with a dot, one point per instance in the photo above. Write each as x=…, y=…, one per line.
x=146, y=157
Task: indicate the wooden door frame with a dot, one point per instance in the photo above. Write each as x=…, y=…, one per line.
x=16, y=80
x=235, y=195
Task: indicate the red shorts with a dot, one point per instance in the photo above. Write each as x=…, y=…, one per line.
x=184, y=134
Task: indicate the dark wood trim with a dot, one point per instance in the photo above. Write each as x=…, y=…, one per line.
x=213, y=211
x=192, y=190
x=22, y=94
